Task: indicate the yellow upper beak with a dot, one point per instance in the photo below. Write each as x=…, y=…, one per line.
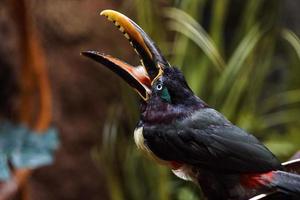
x=127, y=27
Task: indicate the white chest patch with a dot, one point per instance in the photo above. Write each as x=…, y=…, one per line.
x=139, y=138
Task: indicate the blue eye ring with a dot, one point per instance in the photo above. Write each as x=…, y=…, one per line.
x=159, y=86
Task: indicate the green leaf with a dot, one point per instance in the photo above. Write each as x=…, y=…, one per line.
x=185, y=24
x=282, y=99
x=281, y=117
x=237, y=62
x=292, y=39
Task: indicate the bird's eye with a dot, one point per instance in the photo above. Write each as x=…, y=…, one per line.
x=159, y=86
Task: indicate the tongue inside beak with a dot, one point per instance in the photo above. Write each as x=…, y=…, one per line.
x=136, y=77
x=152, y=61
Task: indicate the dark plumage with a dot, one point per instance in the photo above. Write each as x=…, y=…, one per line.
x=186, y=130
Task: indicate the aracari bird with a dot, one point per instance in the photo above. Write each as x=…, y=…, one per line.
x=180, y=130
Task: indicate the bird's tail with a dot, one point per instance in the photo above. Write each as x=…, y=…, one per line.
x=286, y=182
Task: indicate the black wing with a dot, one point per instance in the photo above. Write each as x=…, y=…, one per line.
x=208, y=140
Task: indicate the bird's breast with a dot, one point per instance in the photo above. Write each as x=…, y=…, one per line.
x=179, y=169
x=140, y=143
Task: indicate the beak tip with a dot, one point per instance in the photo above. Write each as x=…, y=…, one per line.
x=106, y=13
x=112, y=15
x=103, y=12
x=90, y=54
x=85, y=53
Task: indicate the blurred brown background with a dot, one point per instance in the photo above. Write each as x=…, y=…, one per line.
x=80, y=92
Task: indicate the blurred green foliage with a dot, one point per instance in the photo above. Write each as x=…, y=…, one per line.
x=249, y=71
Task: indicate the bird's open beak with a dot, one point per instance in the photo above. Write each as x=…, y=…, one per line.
x=152, y=61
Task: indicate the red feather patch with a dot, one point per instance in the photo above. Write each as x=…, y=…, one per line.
x=256, y=180
x=175, y=165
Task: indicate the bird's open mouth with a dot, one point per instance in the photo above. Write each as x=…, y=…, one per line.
x=152, y=61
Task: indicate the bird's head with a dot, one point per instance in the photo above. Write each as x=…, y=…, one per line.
x=155, y=80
